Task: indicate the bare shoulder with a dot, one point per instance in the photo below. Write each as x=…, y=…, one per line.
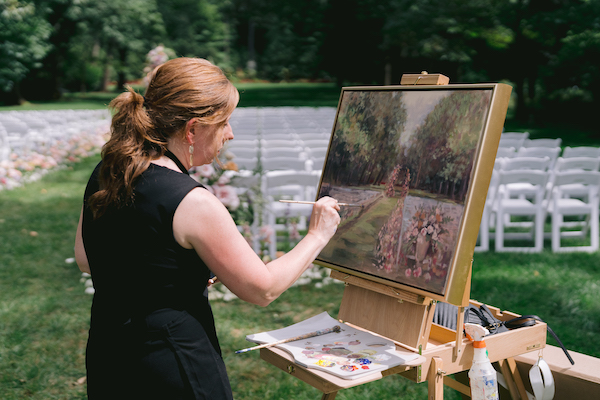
x=201, y=197
x=198, y=213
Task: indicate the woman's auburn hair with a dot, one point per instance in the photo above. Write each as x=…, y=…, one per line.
x=179, y=90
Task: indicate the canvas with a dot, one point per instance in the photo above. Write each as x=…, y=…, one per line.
x=418, y=162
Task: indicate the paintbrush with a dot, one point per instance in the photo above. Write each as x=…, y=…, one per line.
x=320, y=332
x=313, y=202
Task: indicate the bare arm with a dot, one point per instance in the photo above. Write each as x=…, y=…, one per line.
x=80, y=256
x=203, y=223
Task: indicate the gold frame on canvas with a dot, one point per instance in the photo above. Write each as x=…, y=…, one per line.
x=457, y=289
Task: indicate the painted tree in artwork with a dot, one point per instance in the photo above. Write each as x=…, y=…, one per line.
x=443, y=148
x=366, y=137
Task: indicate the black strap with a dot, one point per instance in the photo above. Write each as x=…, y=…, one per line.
x=529, y=320
x=176, y=161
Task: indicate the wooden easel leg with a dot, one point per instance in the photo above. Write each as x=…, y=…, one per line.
x=513, y=379
x=435, y=379
x=329, y=396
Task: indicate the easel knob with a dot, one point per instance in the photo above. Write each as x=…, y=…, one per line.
x=424, y=78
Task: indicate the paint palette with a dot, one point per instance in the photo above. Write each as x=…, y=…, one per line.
x=349, y=354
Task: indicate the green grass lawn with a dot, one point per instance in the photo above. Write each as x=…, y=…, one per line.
x=44, y=312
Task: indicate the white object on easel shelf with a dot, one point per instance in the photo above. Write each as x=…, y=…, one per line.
x=541, y=380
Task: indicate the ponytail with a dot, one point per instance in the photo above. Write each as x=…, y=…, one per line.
x=128, y=152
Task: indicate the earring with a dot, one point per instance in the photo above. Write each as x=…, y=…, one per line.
x=191, y=155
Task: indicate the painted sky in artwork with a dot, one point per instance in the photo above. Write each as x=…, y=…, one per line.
x=418, y=105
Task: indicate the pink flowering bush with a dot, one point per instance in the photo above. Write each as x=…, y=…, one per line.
x=155, y=57
x=217, y=181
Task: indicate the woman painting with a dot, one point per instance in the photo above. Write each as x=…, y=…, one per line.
x=150, y=236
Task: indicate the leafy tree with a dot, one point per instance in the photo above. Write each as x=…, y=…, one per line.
x=126, y=30
x=197, y=29
x=353, y=34
x=571, y=80
x=277, y=40
x=23, y=43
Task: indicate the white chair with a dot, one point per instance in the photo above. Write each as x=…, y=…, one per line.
x=536, y=163
x=287, y=185
x=247, y=163
x=561, y=206
x=542, y=143
x=508, y=206
x=575, y=164
x=313, y=136
x=522, y=189
x=515, y=135
x=247, y=185
x=283, y=163
x=488, y=217
x=243, y=152
x=269, y=143
x=506, y=152
x=315, y=143
x=513, y=139
x=290, y=152
x=510, y=142
x=550, y=152
x=245, y=135
x=4, y=145
x=242, y=144
x=278, y=135
x=581, y=151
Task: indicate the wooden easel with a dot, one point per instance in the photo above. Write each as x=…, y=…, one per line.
x=406, y=318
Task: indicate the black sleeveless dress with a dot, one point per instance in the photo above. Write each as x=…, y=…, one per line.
x=152, y=333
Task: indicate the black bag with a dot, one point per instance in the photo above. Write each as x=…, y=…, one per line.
x=483, y=316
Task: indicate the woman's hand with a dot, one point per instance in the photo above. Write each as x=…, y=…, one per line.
x=325, y=218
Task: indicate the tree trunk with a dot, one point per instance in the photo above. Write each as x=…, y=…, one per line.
x=251, y=64
x=18, y=96
x=121, y=76
x=106, y=75
x=387, y=80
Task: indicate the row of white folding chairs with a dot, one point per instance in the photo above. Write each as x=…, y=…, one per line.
x=297, y=119
x=539, y=193
x=552, y=152
x=249, y=138
x=279, y=163
x=521, y=139
x=23, y=131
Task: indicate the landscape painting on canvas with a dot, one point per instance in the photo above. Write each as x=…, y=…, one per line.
x=406, y=158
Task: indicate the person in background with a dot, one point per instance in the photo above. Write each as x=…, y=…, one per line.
x=151, y=236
